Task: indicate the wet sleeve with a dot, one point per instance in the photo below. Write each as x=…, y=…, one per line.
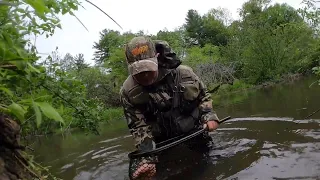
x=137, y=125
x=205, y=106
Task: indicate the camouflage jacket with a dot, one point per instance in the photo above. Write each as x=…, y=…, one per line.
x=141, y=106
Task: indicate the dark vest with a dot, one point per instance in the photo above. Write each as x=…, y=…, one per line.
x=170, y=105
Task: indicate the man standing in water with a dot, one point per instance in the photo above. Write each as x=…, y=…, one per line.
x=161, y=98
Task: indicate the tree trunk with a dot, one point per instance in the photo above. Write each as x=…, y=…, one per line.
x=13, y=165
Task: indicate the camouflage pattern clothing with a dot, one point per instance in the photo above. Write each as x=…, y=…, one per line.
x=175, y=103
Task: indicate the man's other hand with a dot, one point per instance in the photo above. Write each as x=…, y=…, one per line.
x=211, y=126
x=147, y=171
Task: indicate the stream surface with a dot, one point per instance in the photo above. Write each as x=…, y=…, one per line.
x=269, y=138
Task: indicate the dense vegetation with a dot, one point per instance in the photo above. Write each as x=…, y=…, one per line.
x=62, y=92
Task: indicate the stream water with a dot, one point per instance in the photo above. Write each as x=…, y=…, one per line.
x=269, y=138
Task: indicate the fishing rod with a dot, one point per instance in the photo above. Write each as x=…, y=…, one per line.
x=104, y=13
x=180, y=140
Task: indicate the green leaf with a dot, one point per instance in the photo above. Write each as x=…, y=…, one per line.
x=7, y=55
x=38, y=5
x=20, y=64
x=64, y=11
x=33, y=68
x=3, y=108
x=25, y=101
x=21, y=52
x=17, y=110
x=38, y=113
x=49, y=111
x=6, y=91
x=7, y=39
x=73, y=5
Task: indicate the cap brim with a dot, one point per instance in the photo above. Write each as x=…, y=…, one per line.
x=137, y=67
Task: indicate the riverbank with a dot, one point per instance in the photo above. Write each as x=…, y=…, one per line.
x=111, y=116
x=240, y=90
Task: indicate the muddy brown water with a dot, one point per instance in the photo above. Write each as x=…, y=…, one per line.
x=267, y=139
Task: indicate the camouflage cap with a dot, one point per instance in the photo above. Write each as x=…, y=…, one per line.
x=141, y=55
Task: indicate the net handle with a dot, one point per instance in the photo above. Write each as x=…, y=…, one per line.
x=183, y=139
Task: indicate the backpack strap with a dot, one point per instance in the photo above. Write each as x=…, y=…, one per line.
x=177, y=89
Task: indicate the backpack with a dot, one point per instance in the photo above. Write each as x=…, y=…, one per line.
x=167, y=57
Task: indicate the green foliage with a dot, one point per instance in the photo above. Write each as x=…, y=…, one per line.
x=47, y=110
x=269, y=41
x=101, y=86
x=311, y=14
x=117, y=65
x=109, y=39
x=210, y=28
x=71, y=89
x=50, y=94
x=197, y=55
x=42, y=96
x=113, y=114
x=79, y=62
x=194, y=27
x=18, y=72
